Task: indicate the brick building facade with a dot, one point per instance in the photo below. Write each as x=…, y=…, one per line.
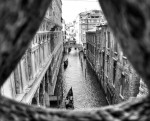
x=115, y=73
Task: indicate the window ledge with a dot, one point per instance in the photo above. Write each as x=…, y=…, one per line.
x=106, y=75
x=116, y=59
x=121, y=96
x=115, y=53
x=102, y=51
x=113, y=85
x=108, y=49
x=124, y=57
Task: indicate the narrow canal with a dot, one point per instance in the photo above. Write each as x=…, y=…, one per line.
x=86, y=88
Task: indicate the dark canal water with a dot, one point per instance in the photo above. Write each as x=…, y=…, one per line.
x=86, y=88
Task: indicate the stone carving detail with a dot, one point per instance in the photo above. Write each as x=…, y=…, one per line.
x=129, y=19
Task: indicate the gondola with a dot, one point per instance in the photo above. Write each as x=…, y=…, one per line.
x=69, y=103
x=69, y=49
x=65, y=63
x=84, y=55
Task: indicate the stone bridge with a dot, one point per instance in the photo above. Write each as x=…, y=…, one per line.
x=72, y=44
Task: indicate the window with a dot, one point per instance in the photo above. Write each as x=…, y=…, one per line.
x=108, y=44
x=83, y=21
x=93, y=39
x=18, y=80
x=107, y=65
x=35, y=38
x=43, y=37
x=26, y=69
x=103, y=60
x=29, y=65
x=122, y=85
x=87, y=47
x=39, y=38
x=124, y=60
x=105, y=36
x=95, y=20
x=114, y=71
x=115, y=46
x=35, y=61
x=83, y=27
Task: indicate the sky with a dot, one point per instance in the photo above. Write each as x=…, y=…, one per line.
x=71, y=8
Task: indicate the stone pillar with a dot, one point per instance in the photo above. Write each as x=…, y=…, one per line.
x=43, y=91
x=18, y=87
x=40, y=60
x=43, y=50
x=47, y=102
x=29, y=62
x=33, y=64
x=41, y=97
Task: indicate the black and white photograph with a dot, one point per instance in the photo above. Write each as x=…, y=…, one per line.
x=74, y=60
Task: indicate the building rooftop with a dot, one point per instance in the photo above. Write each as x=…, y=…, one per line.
x=94, y=12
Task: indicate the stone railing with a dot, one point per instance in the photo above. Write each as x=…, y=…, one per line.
x=129, y=20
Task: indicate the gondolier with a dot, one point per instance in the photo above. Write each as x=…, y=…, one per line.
x=69, y=100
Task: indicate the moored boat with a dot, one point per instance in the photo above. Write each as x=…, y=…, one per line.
x=84, y=55
x=69, y=49
x=69, y=103
x=65, y=63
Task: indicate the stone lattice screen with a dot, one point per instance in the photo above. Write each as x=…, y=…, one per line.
x=130, y=22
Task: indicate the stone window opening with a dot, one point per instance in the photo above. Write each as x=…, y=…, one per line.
x=115, y=47
x=108, y=42
x=18, y=83
x=107, y=68
x=114, y=71
x=35, y=61
x=26, y=68
x=34, y=101
x=103, y=63
x=124, y=60
x=122, y=85
x=39, y=39
x=105, y=36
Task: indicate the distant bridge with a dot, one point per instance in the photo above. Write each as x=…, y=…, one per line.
x=72, y=44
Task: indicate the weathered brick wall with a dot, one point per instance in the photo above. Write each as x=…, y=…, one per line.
x=131, y=88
